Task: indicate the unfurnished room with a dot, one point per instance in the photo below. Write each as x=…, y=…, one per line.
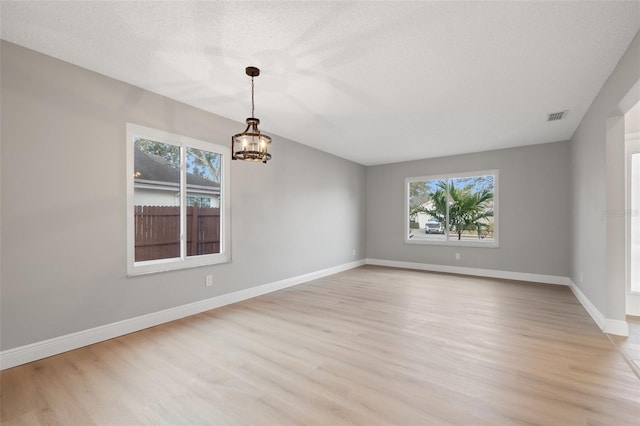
x=320, y=213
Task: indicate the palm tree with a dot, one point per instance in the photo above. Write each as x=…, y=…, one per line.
x=468, y=210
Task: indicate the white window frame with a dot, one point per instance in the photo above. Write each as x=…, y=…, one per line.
x=449, y=241
x=134, y=132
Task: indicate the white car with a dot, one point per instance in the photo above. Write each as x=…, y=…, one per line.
x=434, y=227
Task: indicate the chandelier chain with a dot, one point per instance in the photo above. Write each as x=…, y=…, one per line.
x=252, y=104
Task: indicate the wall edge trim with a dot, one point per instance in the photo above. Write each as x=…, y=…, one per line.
x=609, y=326
x=32, y=352
x=463, y=270
x=617, y=327
x=57, y=345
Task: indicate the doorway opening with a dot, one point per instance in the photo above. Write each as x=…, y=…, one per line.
x=632, y=148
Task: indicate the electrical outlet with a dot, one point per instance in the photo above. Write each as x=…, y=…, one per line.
x=208, y=280
x=457, y=256
x=353, y=253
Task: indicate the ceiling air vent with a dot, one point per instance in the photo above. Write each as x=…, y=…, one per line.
x=555, y=116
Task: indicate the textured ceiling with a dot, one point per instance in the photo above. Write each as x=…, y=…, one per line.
x=373, y=82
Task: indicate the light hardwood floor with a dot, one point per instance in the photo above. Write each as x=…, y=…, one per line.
x=367, y=346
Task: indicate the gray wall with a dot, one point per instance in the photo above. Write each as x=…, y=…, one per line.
x=598, y=187
x=534, y=210
x=63, y=221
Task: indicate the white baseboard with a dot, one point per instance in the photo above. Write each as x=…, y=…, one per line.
x=490, y=273
x=46, y=348
x=610, y=326
x=607, y=325
x=597, y=316
x=617, y=327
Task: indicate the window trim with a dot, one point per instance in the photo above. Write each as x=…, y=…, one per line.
x=449, y=242
x=134, y=131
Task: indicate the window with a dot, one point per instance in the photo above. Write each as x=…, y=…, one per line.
x=177, y=201
x=457, y=209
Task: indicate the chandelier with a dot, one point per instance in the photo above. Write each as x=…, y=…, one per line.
x=251, y=145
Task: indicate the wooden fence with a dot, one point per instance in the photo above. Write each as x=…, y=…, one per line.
x=157, y=231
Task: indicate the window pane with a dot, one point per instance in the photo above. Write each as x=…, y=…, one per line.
x=471, y=208
x=157, y=200
x=203, y=201
x=427, y=210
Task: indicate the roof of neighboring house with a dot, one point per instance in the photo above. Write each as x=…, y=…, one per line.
x=151, y=167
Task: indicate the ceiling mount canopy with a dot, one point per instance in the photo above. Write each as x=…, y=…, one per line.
x=251, y=145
